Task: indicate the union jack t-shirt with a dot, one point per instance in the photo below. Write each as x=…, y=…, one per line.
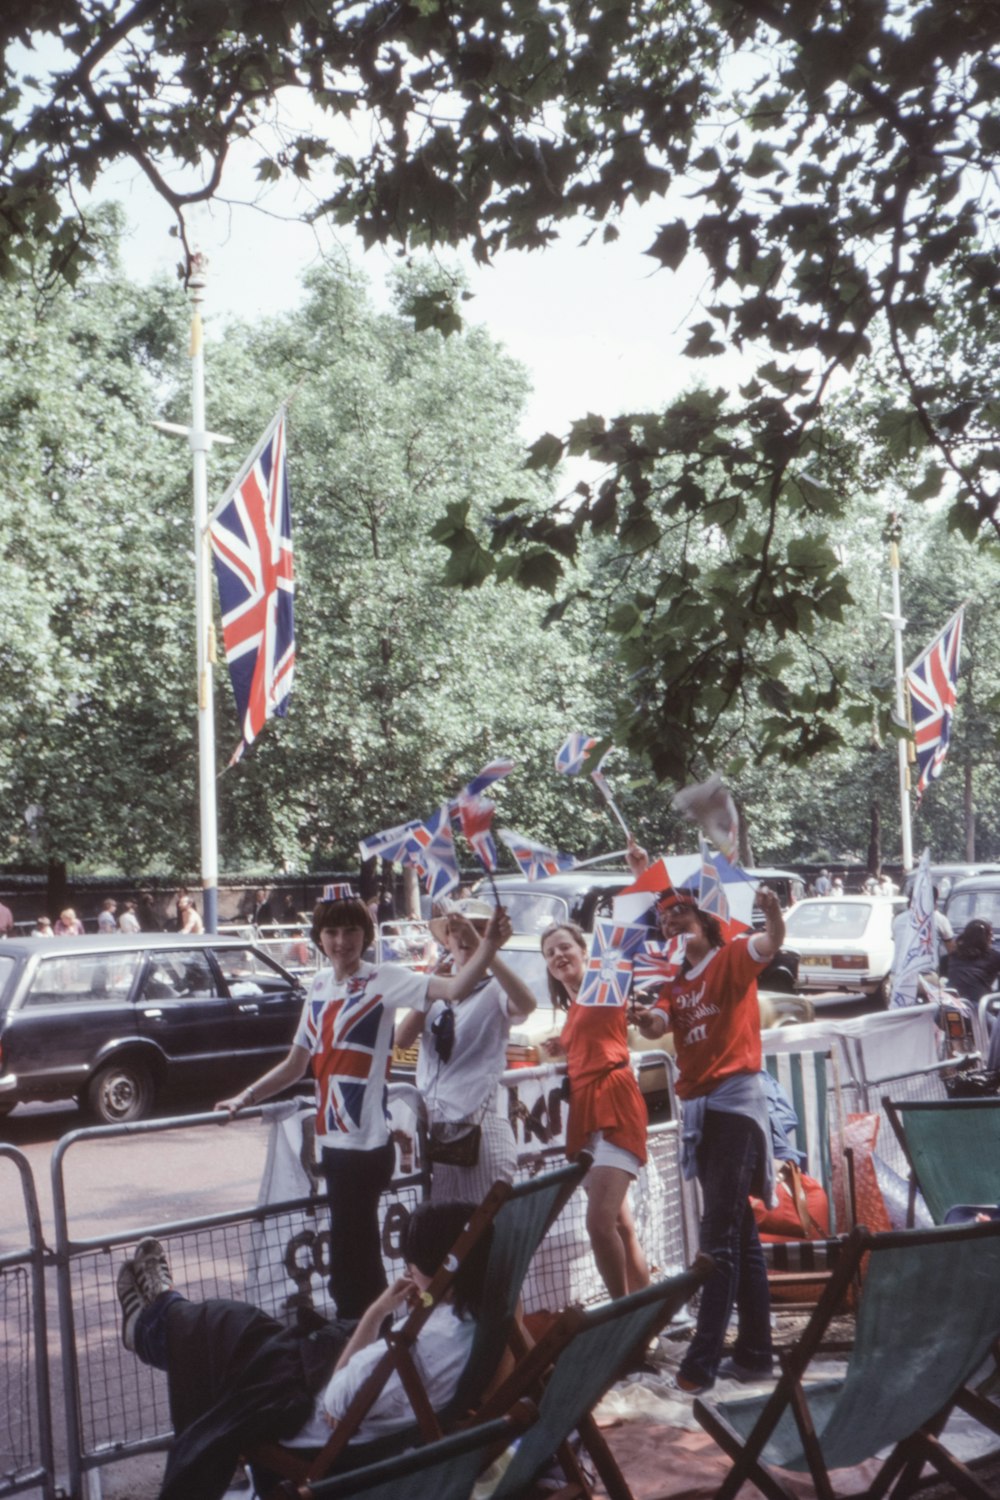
x=347, y=1027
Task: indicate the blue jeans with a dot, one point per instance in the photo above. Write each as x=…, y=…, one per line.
x=729, y=1152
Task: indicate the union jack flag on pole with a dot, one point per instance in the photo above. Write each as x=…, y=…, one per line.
x=932, y=686
x=251, y=536
x=655, y=962
x=608, y=974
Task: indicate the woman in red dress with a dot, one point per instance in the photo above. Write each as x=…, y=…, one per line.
x=607, y=1115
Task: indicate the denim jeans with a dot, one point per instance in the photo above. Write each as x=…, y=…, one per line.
x=355, y=1181
x=729, y=1151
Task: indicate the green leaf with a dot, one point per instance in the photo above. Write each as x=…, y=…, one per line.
x=545, y=453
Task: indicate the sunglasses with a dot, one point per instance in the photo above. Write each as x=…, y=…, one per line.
x=443, y=1032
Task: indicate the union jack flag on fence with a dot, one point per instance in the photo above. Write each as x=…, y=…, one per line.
x=609, y=968
x=251, y=536
x=932, y=684
x=535, y=860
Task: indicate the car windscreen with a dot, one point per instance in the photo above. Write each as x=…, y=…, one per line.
x=529, y=913
x=529, y=966
x=247, y=971
x=831, y=920
x=984, y=906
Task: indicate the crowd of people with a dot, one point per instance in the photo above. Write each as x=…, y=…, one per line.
x=464, y=1008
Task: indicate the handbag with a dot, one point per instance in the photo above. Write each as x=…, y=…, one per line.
x=449, y=1150
x=802, y=1211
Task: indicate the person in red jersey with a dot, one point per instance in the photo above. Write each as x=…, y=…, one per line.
x=711, y=1006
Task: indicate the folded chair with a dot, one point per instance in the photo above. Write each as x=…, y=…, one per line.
x=798, y=1268
x=928, y=1314
x=566, y=1373
x=521, y=1215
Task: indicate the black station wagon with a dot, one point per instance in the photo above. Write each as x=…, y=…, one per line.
x=117, y=1021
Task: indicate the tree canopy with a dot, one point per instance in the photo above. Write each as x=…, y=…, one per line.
x=830, y=163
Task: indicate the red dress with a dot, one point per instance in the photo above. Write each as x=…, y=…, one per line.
x=604, y=1094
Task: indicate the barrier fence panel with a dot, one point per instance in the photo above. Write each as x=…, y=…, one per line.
x=274, y=1255
x=26, y=1449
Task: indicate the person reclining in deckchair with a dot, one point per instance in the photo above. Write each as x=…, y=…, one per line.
x=238, y=1378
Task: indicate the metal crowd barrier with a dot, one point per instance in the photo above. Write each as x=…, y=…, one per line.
x=26, y=1449
x=274, y=1255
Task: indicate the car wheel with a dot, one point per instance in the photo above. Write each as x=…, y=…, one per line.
x=120, y=1092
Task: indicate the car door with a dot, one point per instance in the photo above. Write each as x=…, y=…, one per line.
x=182, y=1009
x=267, y=1003
x=74, y=1007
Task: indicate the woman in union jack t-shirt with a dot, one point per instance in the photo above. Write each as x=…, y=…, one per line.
x=345, y=1035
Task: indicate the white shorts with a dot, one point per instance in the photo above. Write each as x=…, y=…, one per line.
x=607, y=1154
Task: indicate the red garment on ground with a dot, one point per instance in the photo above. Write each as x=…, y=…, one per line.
x=604, y=1094
x=715, y=1018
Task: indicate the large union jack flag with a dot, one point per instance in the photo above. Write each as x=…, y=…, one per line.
x=251, y=537
x=608, y=974
x=932, y=683
x=344, y=1034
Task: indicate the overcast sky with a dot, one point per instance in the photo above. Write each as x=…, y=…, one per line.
x=598, y=328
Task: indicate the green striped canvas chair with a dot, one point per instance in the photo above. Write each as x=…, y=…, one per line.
x=928, y=1315
x=805, y=1077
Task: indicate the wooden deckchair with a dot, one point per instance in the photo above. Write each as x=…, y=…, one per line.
x=445, y=1470
x=928, y=1315
x=520, y=1216
x=952, y=1147
x=573, y=1364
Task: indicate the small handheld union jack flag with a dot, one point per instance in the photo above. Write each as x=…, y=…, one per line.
x=609, y=968
x=251, y=536
x=535, y=860
x=391, y=843
x=932, y=685
x=572, y=754
x=655, y=963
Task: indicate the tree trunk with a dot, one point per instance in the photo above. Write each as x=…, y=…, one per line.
x=57, y=888
x=875, y=840
x=970, y=815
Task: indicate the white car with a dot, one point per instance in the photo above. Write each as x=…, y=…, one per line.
x=844, y=942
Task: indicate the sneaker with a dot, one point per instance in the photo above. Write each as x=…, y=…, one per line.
x=152, y=1270
x=132, y=1304
x=731, y=1369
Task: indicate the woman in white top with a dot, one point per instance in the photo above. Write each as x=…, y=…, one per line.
x=462, y=1054
x=345, y=1037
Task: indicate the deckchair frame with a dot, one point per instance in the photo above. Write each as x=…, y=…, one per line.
x=429, y=1426
x=965, y=1133
x=761, y=1415
x=564, y=1376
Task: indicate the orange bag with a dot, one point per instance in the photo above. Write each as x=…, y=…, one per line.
x=802, y=1211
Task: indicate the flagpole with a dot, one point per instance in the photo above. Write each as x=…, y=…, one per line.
x=902, y=744
x=200, y=441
